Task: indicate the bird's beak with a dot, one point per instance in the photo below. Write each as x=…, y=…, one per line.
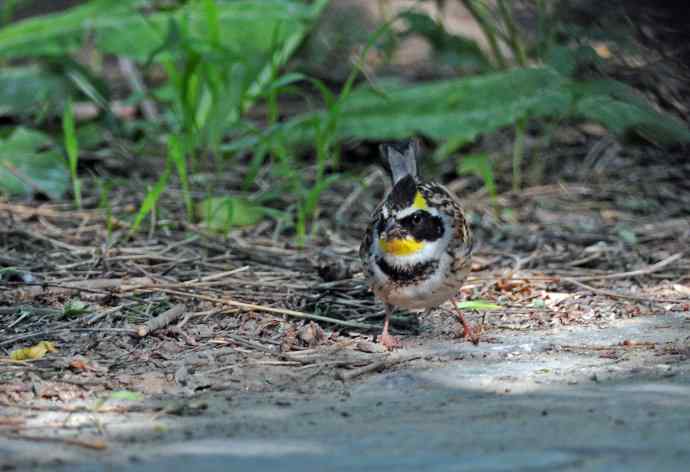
x=391, y=230
x=396, y=242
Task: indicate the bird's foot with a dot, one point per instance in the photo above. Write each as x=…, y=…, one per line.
x=389, y=342
x=468, y=333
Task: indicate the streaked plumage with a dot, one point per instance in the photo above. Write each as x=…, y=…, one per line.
x=417, y=247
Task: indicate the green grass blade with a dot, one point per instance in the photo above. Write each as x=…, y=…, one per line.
x=72, y=149
x=213, y=25
x=151, y=199
x=177, y=154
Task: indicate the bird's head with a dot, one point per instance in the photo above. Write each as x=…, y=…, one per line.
x=409, y=227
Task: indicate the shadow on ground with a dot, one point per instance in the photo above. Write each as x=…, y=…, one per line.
x=561, y=399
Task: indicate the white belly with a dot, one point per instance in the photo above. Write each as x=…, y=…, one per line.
x=426, y=294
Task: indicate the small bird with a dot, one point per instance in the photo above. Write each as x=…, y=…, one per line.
x=417, y=248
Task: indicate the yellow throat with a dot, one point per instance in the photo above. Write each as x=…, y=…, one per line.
x=400, y=247
x=406, y=246
x=419, y=201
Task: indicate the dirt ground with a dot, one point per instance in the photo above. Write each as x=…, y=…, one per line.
x=566, y=398
x=179, y=347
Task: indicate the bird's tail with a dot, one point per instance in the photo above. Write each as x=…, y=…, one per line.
x=401, y=160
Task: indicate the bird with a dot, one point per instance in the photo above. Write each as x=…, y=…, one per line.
x=416, y=251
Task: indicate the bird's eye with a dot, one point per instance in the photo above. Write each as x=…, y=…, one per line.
x=416, y=218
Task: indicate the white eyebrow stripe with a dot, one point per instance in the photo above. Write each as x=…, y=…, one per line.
x=409, y=210
x=429, y=251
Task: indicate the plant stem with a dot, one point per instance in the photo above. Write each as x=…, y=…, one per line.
x=514, y=40
x=488, y=30
x=518, y=149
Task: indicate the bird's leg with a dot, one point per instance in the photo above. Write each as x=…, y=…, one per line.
x=386, y=340
x=467, y=331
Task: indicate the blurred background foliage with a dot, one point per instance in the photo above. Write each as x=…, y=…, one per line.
x=249, y=110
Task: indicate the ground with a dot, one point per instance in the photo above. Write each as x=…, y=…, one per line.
x=179, y=348
x=562, y=398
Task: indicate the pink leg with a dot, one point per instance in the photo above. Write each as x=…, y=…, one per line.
x=386, y=340
x=467, y=332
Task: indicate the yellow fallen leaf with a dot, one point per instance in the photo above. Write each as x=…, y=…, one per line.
x=33, y=352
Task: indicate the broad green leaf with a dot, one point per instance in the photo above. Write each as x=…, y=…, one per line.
x=249, y=28
x=568, y=60
x=30, y=163
x=458, y=108
x=622, y=110
x=562, y=59
x=61, y=33
x=461, y=109
x=28, y=89
x=222, y=213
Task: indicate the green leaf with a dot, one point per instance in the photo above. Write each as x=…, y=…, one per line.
x=568, y=60
x=119, y=27
x=479, y=164
x=74, y=307
x=628, y=236
x=562, y=59
x=61, y=33
x=458, y=108
x=287, y=79
x=462, y=109
x=222, y=213
x=151, y=198
x=619, y=108
x=28, y=89
x=126, y=395
x=477, y=305
x=30, y=163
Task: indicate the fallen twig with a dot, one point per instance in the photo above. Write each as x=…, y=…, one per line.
x=634, y=273
x=52, y=333
x=251, y=306
x=86, y=443
x=386, y=363
x=34, y=310
x=90, y=285
x=613, y=294
x=161, y=321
